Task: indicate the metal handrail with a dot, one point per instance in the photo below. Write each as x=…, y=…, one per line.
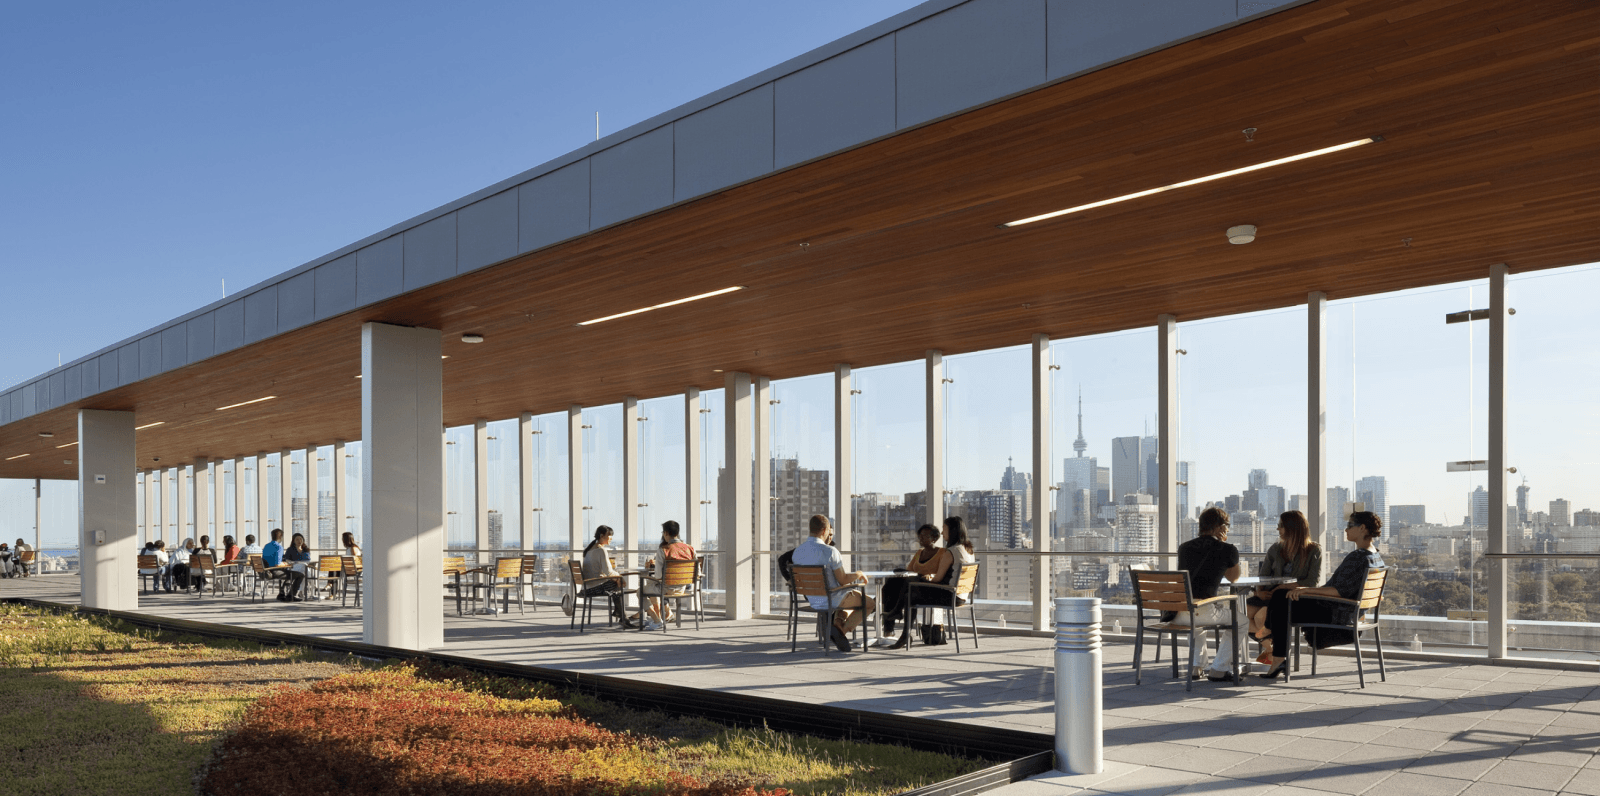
x=1540, y=555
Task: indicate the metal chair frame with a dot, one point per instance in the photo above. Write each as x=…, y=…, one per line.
x=581, y=590
x=688, y=589
x=966, y=578
x=824, y=616
x=202, y=565
x=1371, y=599
x=1170, y=590
x=349, y=567
x=149, y=562
x=505, y=578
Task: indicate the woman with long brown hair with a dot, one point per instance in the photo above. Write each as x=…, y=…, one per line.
x=1293, y=555
x=1346, y=581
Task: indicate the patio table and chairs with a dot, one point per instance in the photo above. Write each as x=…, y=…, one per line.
x=1358, y=622
x=679, y=581
x=1170, y=591
x=586, y=591
x=812, y=582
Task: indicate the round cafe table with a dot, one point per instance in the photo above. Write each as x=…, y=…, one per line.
x=878, y=576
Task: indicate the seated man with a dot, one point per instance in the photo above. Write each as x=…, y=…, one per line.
x=272, y=556
x=21, y=566
x=851, y=607
x=163, y=565
x=5, y=559
x=179, y=568
x=1208, y=558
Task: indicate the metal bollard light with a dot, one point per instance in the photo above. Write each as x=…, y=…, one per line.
x=1080, y=747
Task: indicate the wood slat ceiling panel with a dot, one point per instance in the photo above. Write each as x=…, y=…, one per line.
x=1490, y=113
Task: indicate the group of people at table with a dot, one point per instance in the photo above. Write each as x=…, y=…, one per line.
x=288, y=564
x=1209, y=560
x=12, y=561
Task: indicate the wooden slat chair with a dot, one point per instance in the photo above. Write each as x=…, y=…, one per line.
x=202, y=566
x=505, y=579
x=149, y=567
x=330, y=571
x=530, y=571
x=264, y=575
x=1371, y=600
x=947, y=597
x=229, y=574
x=1155, y=590
x=584, y=595
x=24, y=562
x=454, y=567
x=680, y=581
x=813, y=582
x=349, y=569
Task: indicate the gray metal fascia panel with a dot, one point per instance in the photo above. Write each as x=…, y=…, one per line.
x=631, y=178
x=835, y=104
x=553, y=207
x=486, y=232
x=5, y=408
x=230, y=326
x=430, y=252
x=150, y=356
x=336, y=287
x=174, y=347
x=74, y=376
x=967, y=56
x=91, y=378
x=58, y=389
x=297, y=299
x=1085, y=34
x=261, y=314
x=30, y=400
x=16, y=405
x=725, y=144
x=201, y=332
x=110, y=378
x=380, y=270
x=128, y=363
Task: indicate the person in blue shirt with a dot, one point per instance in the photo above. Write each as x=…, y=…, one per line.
x=852, y=606
x=272, y=554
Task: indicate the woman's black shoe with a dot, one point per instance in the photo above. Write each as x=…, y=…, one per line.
x=900, y=643
x=1281, y=668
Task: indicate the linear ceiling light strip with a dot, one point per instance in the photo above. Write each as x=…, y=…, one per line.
x=663, y=304
x=246, y=403
x=1186, y=183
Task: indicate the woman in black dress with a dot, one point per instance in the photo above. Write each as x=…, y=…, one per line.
x=1347, y=582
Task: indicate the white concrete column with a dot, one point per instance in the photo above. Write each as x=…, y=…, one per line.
x=843, y=461
x=1167, y=429
x=1499, y=601
x=313, y=510
x=1040, y=496
x=168, y=532
x=578, y=535
x=38, y=518
x=1317, y=416
x=525, y=433
x=142, y=519
x=935, y=437
x=341, y=493
x=762, y=500
x=734, y=532
x=243, y=524
x=693, y=522
x=180, y=514
x=402, y=469
x=631, y=533
x=480, y=485
x=107, y=490
x=202, y=502
x=286, y=497
x=149, y=485
x=219, y=503
x=265, y=522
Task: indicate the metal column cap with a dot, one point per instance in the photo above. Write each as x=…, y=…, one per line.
x=1077, y=610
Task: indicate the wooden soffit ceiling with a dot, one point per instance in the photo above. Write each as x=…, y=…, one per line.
x=1489, y=113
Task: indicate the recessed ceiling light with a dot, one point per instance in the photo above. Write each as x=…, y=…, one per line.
x=68, y=445
x=150, y=425
x=1186, y=183
x=47, y=434
x=471, y=337
x=1244, y=233
x=246, y=403
x=18, y=456
x=664, y=304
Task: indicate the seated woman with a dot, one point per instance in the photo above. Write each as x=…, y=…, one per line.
x=299, y=555
x=597, y=564
x=1293, y=555
x=1208, y=558
x=1347, y=582
x=670, y=549
x=931, y=564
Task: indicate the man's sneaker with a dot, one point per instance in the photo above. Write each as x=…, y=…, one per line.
x=840, y=640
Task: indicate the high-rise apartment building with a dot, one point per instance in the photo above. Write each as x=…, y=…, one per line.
x=1245, y=529
x=1522, y=502
x=1138, y=519
x=1014, y=480
x=1075, y=500
x=1302, y=504
x=1127, y=467
x=497, y=531
x=1410, y=515
x=1478, y=508
x=1272, y=502
x=798, y=493
x=1373, y=493
x=1338, y=507
x=1561, y=512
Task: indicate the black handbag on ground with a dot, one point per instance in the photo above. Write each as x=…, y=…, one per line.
x=933, y=635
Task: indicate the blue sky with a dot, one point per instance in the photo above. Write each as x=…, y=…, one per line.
x=158, y=149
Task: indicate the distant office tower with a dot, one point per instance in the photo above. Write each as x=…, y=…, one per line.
x=1075, y=500
x=1004, y=512
x=1338, y=514
x=1522, y=502
x=327, y=523
x=1152, y=467
x=1127, y=467
x=1186, y=473
x=1272, y=502
x=1246, y=531
x=1137, y=521
x=1372, y=493
x=1014, y=480
x=1587, y=518
x=1478, y=508
x=497, y=530
x=299, y=516
x=1250, y=500
x=1302, y=504
x=1102, y=487
x=1409, y=515
x=1233, y=503
x=1561, y=512
x=1258, y=479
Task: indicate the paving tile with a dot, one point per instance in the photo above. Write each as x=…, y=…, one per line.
x=1148, y=781
x=1380, y=755
x=1534, y=753
x=1453, y=765
x=1145, y=753
x=1530, y=775
x=1204, y=761
x=1446, y=723
x=1586, y=782
x=1342, y=778
x=1253, y=742
x=1495, y=789
x=1227, y=787
x=1417, y=739
x=1408, y=784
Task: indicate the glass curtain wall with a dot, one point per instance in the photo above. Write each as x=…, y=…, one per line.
x=800, y=472
x=1418, y=400
x=713, y=460
x=1553, y=441
x=321, y=496
x=602, y=472
x=505, y=496
x=460, y=499
x=890, y=458
x=353, y=500
x=661, y=473
x=548, y=536
x=299, y=515
x=988, y=434
x=1103, y=390
x=1241, y=423
x=274, y=470
x=247, y=512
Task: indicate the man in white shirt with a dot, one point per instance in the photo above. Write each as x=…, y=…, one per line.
x=851, y=608
x=180, y=563
x=16, y=558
